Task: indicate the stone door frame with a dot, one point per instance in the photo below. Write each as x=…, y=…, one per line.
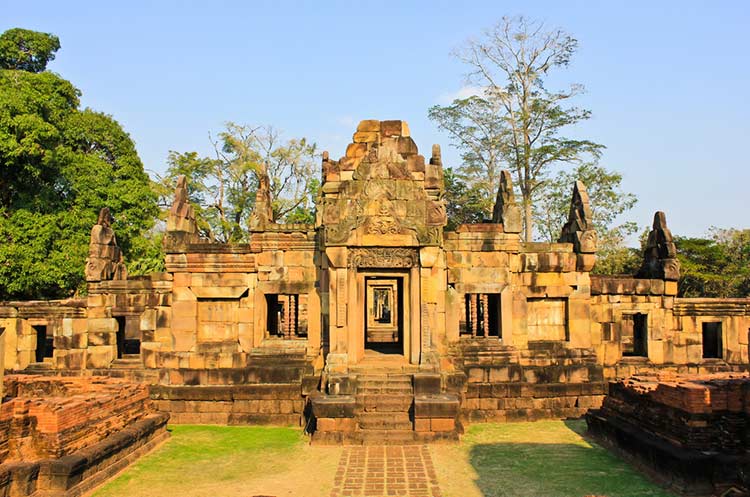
x=410, y=306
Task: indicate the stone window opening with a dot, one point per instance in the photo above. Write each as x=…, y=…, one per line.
x=482, y=315
x=635, y=335
x=712, y=340
x=283, y=312
x=45, y=343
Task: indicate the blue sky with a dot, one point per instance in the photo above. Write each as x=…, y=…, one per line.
x=667, y=82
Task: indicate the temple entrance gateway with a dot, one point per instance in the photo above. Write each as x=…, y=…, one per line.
x=384, y=330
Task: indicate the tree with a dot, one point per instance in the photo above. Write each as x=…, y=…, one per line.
x=717, y=266
x=608, y=203
x=222, y=189
x=24, y=50
x=464, y=204
x=515, y=120
x=59, y=165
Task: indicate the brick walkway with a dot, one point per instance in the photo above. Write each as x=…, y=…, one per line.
x=376, y=471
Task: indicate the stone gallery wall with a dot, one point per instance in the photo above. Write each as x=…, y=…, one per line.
x=235, y=333
x=61, y=325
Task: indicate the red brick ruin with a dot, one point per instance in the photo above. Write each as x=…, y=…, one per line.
x=61, y=436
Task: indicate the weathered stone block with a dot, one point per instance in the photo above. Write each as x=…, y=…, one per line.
x=369, y=125
x=366, y=137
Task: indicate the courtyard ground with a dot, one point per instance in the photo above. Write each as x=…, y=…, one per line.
x=542, y=459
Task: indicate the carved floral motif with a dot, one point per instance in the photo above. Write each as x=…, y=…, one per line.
x=383, y=258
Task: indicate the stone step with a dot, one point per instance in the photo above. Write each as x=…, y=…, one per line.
x=384, y=402
x=392, y=437
x=400, y=379
x=39, y=366
x=384, y=421
x=384, y=390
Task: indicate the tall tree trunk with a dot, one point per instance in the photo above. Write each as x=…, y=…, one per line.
x=528, y=225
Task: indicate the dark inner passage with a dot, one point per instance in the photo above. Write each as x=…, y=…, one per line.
x=712, y=341
x=45, y=345
x=384, y=315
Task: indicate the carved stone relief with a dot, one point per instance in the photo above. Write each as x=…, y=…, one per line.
x=383, y=258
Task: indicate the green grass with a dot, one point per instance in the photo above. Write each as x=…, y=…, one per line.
x=541, y=459
x=196, y=458
x=549, y=459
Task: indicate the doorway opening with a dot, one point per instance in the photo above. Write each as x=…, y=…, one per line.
x=45, y=343
x=128, y=336
x=712, y=340
x=384, y=315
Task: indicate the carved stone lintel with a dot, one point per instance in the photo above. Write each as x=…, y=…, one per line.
x=378, y=257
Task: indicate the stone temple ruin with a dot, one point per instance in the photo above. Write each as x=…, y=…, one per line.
x=376, y=323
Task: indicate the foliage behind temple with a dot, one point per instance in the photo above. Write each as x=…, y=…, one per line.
x=59, y=164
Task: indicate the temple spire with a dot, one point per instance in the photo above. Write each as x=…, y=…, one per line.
x=506, y=211
x=660, y=256
x=105, y=260
x=579, y=230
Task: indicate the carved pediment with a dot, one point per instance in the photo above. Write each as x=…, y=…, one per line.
x=381, y=190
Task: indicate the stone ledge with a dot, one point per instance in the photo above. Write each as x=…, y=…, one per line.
x=333, y=406
x=436, y=406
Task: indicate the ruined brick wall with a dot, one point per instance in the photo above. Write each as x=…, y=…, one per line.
x=62, y=436
x=51, y=417
x=690, y=431
x=699, y=412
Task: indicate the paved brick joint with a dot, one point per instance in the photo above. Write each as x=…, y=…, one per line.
x=378, y=471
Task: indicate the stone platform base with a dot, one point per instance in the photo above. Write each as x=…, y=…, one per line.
x=267, y=404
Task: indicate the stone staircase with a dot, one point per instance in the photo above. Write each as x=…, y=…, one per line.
x=129, y=367
x=384, y=408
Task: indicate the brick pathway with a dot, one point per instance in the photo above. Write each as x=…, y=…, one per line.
x=376, y=471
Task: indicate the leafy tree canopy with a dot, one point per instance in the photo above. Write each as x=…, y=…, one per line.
x=222, y=189
x=515, y=122
x=25, y=50
x=465, y=203
x=59, y=165
x=717, y=266
x=608, y=203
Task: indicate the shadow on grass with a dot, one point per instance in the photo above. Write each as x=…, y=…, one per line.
x=575, y=469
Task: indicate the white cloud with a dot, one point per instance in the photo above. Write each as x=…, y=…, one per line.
x=461, y=93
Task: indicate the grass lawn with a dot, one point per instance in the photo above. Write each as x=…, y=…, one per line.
x=219, y=461
x=542, y=459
